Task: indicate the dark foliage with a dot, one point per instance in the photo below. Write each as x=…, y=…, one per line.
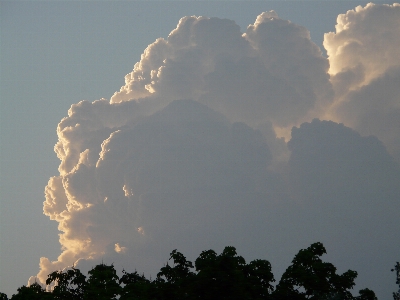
x=3, y=296
x=69, y=284
x=212, y=277
x=32, y=292
x=310, y=278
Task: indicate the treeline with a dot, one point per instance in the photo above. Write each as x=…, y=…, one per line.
x=219, y=277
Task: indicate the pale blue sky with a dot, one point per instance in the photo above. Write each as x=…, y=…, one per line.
x=56, y=53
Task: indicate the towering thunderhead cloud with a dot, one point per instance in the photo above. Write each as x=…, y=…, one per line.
x=186, y=154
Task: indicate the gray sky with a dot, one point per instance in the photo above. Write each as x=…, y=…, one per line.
x=190, y=175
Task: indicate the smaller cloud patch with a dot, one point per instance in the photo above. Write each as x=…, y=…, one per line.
x=120, y=249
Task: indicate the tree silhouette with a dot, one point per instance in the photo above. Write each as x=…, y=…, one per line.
x=310, y=278
x=32, y=292
x=103, y=283
x=227, y=276
x=211, y=277
x=396, y=296
x=136, y=287
x=68, y=285
x=366, y=294
x=175, y=282
x=3, y=296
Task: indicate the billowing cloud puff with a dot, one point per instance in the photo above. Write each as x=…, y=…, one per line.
x=288, y=53
x=274, y=66
x=364, y=65
x=365, y=42
x=186, y=154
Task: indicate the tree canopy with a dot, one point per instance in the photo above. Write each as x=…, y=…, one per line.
x=213, y=276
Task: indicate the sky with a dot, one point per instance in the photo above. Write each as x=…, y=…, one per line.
x=132, y=128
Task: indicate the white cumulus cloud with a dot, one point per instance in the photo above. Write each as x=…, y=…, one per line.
x=274, y=66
